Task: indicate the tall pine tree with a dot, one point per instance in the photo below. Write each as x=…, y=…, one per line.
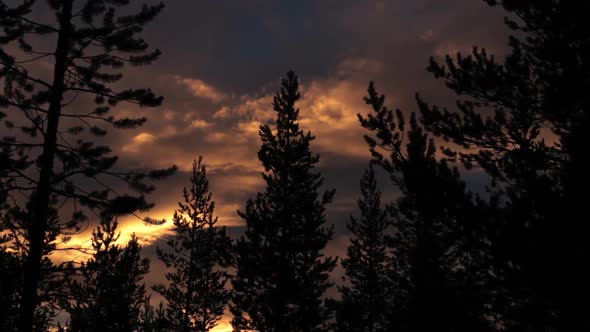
x=281, y=273
x=438, y=253
x=50, y=138
x=13, y=253
x=196, y=293
x=365, y=301
x=508, y=113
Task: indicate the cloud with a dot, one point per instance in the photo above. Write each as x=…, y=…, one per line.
x=359, y=65
x=199, y=123
x=427, y=35
x=138, y=141
x=328, y=108
x=202, y=89
x=222, y=113
x=451, y=48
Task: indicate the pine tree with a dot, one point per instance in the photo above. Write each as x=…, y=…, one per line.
x=437, y=251
x=281, y=272
x=196, y=293
x=109, y=293
x=365, y=302
x=53, y=159
x=507, y=112
x=12, y=255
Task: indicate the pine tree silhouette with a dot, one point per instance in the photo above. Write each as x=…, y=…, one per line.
x=109, y=293
x=436, y=246
x=153, y=319
x=281, y=271
x=10, y=283
x=364, y=305
x=196, y=295
x=9, y=278
x=13, y=219
x=536, y=93
x=52, y=159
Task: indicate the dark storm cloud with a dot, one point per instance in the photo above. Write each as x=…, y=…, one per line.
x=240, y=45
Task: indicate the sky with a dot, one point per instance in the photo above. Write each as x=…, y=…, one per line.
x=222, y=62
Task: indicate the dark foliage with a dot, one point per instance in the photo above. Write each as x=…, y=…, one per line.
x=281, y=271
x=10, y=286
x=507, y=113
x=9, y=278
x=437, y=251
x=49, y=154
x=153, y=319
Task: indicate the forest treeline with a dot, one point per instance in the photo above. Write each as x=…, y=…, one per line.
x=438, y=258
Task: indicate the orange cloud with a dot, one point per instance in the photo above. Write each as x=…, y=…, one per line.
x=222, y=113
x=199, y=123
x=202, y=89
x=328, y=108
x=138, y=141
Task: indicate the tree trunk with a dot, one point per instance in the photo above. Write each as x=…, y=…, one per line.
x=39, y=212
